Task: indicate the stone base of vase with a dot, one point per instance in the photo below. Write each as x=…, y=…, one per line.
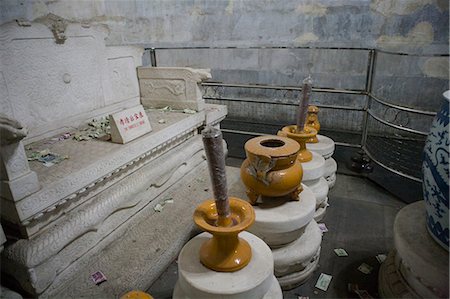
x=418, y=266
x=256, y=280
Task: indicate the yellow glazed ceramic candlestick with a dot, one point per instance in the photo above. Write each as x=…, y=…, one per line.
x=224, y=217
x=301, y=137
x=271, y=168
x=225, y=251
x=312, y=121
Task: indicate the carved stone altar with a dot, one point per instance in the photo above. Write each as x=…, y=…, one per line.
x=56, y=80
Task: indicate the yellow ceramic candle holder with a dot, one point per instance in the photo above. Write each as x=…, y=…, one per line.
x=225, y=251
x=312, y=121
x=291, y=132
x=271, y=168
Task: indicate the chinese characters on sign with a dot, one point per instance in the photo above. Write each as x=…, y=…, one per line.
x=129, y=124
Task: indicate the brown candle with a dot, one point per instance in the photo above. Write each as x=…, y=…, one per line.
x=303, y=104
x=212, y=141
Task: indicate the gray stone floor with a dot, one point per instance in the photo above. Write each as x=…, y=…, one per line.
x=360, y=220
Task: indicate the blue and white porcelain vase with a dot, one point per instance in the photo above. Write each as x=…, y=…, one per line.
x=436, y=176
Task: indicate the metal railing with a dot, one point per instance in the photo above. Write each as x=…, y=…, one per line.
x=367, y=93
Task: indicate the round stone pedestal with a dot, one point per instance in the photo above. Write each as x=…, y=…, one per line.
x=280, y=221
x=295, y=262
x=320, y=189
x=325, y=146
x=256, y=280
x=330, y=172
x=417, y=267
x=313, y=177
x=289, y=229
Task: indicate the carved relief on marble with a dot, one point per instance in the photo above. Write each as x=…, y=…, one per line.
x=54, y=85
x=171, y=86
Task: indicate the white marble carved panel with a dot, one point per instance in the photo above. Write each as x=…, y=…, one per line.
x=51, y=86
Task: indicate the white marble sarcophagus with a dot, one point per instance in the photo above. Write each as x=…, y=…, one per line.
x=56, y=77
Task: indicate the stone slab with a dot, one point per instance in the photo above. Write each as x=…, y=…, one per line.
x=324, y=147
x=147, y=245
x=74, y=236
x=91, y=162
x=425, y=260
x=197, y=281
x=296, y=256
x=215, y=113
x=129, y=124
x=313, y=169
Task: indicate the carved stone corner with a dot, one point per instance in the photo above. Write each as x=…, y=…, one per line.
x=16, y=179
x=57, y=26
x=176, y=87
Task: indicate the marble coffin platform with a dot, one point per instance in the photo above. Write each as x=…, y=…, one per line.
x=99, y=190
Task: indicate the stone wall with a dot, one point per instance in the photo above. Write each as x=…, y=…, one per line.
x=407, y=26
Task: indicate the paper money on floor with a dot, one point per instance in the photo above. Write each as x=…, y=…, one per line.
x=340, y=252
x=323, y=227
x=323, y=282
x=381, y=258
x=364, y=268
x=98, y=277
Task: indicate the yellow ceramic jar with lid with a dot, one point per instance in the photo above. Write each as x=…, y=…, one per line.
x=271, y=168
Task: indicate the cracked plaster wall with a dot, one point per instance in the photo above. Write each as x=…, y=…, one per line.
x=412, y=26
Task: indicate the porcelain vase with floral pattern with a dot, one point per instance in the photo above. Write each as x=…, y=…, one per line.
x=436, y=175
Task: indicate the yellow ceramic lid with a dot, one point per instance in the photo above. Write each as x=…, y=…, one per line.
x=272, y=145
x=136, y=295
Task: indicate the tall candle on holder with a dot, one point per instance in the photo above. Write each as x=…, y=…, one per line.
x=303, y=104
x=212, y=141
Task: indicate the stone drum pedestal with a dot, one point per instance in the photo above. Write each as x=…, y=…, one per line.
x=288, y=227
x=325, y=148
x=256, y=280
x=418, y=266
x=313, y=177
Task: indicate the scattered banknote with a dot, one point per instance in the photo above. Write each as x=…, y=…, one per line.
x=323, y=227
x=158, y=208
x=46, y=157
x=381, y=258
x=340, y=252
x=364, y=268
x=302, y=297
x=98, y=277
x=323, y=282
x=96, y=128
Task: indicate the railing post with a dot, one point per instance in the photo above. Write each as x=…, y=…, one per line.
x=368, y=90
